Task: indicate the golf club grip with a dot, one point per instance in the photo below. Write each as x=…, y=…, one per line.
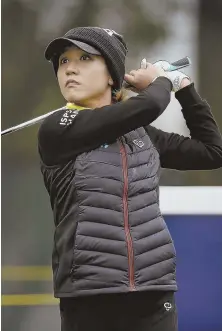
x=184, y=62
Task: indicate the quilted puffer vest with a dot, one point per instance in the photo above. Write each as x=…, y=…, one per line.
x=110, y=235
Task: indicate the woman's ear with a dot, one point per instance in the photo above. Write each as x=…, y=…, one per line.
x=110, y=82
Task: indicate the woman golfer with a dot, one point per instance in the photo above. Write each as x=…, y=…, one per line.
x=113, y=258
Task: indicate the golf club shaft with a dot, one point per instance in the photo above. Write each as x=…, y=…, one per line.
x=184, y=62
x=29, y=123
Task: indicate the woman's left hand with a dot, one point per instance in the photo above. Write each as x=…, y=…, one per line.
x=185, y=82
x=178, y=79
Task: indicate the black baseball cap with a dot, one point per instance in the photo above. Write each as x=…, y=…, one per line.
x=54, y=48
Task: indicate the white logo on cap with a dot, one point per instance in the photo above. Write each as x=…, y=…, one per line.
x=110, y=32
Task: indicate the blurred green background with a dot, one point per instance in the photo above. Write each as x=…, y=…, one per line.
x=154, y=29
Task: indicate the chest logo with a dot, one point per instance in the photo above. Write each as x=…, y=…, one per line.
x=138, y=143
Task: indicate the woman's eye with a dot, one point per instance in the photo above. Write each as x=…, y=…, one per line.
x=85, y=57
x=63, y=60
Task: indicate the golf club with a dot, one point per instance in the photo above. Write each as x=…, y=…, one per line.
x=184, y=62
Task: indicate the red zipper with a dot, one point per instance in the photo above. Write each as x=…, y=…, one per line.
x=126, y=219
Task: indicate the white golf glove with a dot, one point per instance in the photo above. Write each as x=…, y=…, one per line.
x=161, y=71
x=165, y=65
x=175, y=76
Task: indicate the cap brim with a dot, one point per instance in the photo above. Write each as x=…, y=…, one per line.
x=57, y=45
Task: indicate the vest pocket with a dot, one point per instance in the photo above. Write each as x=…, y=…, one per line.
x=73, y=264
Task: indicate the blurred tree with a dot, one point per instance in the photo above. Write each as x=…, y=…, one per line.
x=210, y=75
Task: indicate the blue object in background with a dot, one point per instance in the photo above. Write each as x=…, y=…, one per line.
x=198, y=242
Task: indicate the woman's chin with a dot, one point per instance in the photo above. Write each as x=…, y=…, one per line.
x=79, y=101
x=75, y=99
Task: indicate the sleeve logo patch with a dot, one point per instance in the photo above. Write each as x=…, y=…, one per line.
x=68, y=117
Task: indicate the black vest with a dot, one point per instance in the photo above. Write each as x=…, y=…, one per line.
x=110, y=235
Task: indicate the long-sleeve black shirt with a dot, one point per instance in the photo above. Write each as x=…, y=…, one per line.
x=90, y=128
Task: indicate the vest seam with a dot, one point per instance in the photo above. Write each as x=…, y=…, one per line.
x=90, y=236
x=151, y=265
x=133, y=211
x=118, y=211
x=152, y=249
x=115, y=195
x=96, y=251
x=169, y=273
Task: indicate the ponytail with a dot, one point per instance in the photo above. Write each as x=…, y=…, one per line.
x=119, y=95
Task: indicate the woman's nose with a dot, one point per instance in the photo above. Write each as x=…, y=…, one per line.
x=72, y=69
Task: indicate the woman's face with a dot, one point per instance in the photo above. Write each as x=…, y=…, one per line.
x=83, y=78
